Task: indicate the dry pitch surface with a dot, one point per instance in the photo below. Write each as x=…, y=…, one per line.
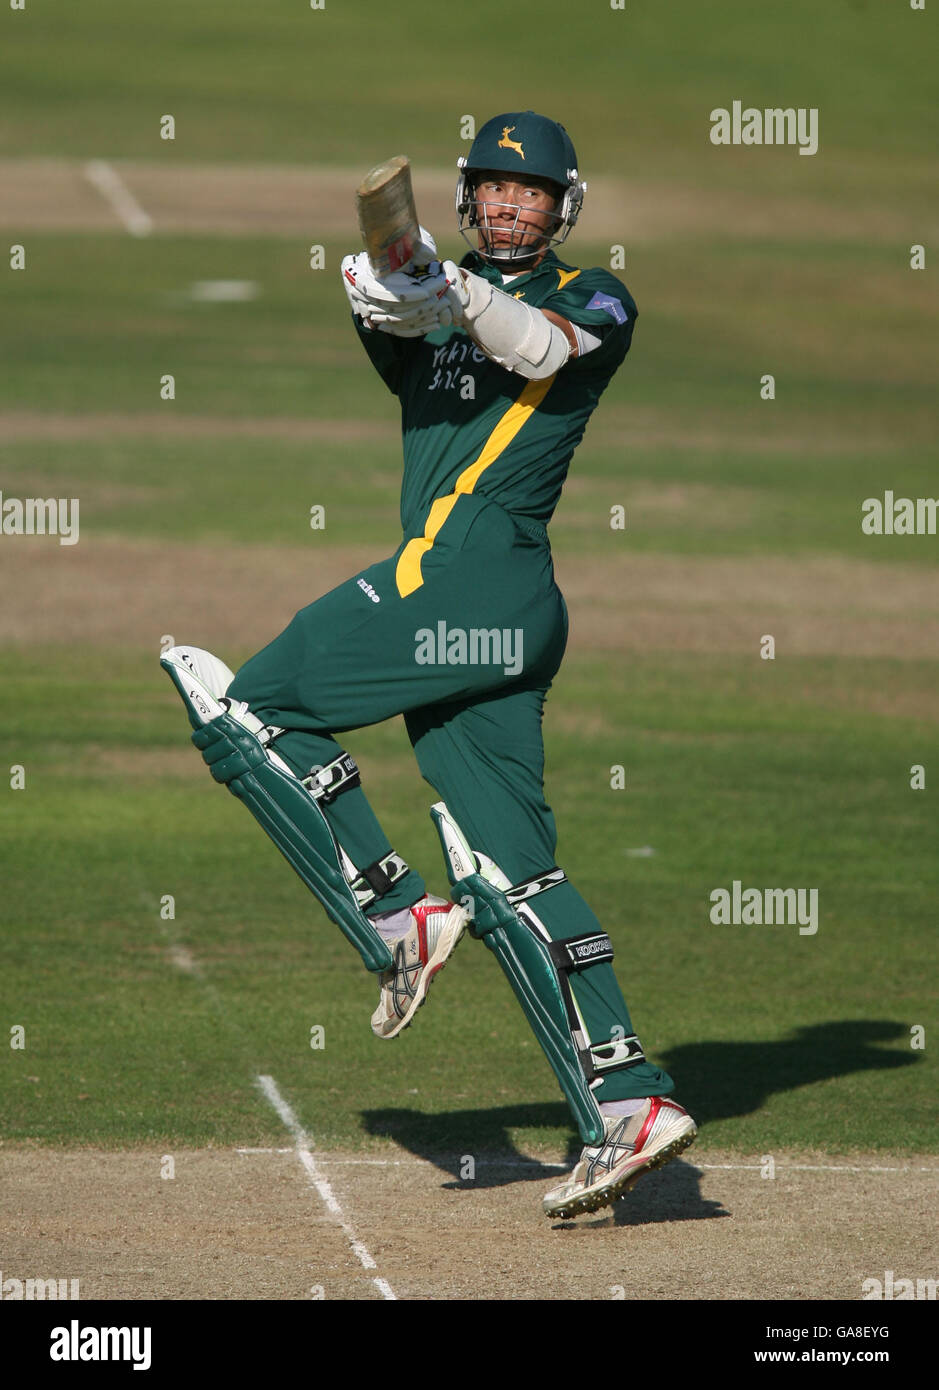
x=256, y=1224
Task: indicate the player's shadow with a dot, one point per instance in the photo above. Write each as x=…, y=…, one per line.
x=721, y=1080
x=671, y=1194
x=476, y=1148
x=718, y=1080
x=475, y=1141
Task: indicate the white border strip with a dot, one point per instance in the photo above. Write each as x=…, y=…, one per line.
x=105, y=178
x=302, y=1150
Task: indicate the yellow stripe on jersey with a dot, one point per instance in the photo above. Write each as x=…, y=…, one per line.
x=566, y=276
x=408, y=575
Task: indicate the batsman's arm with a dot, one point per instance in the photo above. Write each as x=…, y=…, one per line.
x=517, y=335
x=601, y=314
x=566, y=327
x=389, y=355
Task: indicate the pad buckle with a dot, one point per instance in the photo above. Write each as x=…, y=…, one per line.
x=378, y=879
x=326, y=783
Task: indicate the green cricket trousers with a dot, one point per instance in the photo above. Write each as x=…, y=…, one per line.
x=467, y=656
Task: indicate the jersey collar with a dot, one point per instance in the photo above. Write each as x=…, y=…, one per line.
x=548, y=263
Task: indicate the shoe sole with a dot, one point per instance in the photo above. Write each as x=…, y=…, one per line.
x=605, y=1195
x=421, y=997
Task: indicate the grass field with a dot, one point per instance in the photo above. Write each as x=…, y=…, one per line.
x=742, y=519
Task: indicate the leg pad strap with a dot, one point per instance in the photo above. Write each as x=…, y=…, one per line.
x=527, y=962
x=538, y=969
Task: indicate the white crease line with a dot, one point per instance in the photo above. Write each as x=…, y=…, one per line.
x=418, y=1162
x=564, y=1167
x=269, y=1087
x=811, y=1168
x=453, y=1158
x=114, y=190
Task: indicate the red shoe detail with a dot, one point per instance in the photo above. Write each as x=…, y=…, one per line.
x=419, y=912
x=657, y=1103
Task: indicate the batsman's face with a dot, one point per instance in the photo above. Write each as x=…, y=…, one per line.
x=514, y=215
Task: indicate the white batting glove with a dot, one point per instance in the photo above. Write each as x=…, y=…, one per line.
x=416, y=324
x=467, y=294
x=425, y=251
x=414, y=319
x=407, y=304
x=363, y=288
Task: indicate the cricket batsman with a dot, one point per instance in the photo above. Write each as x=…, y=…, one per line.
x=498, y=364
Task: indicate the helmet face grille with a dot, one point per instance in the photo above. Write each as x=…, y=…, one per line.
x=504, y=244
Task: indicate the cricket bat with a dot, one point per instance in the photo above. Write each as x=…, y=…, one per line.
x=387, y=215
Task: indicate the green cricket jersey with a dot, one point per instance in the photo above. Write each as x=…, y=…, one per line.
x=470, y=425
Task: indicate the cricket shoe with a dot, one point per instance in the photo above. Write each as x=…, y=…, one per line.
x=632, y=1145
x=426, y=946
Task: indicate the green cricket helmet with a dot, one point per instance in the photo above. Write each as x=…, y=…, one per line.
x=520, y=144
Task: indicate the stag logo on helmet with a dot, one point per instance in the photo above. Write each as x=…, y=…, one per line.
x=506, y=144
